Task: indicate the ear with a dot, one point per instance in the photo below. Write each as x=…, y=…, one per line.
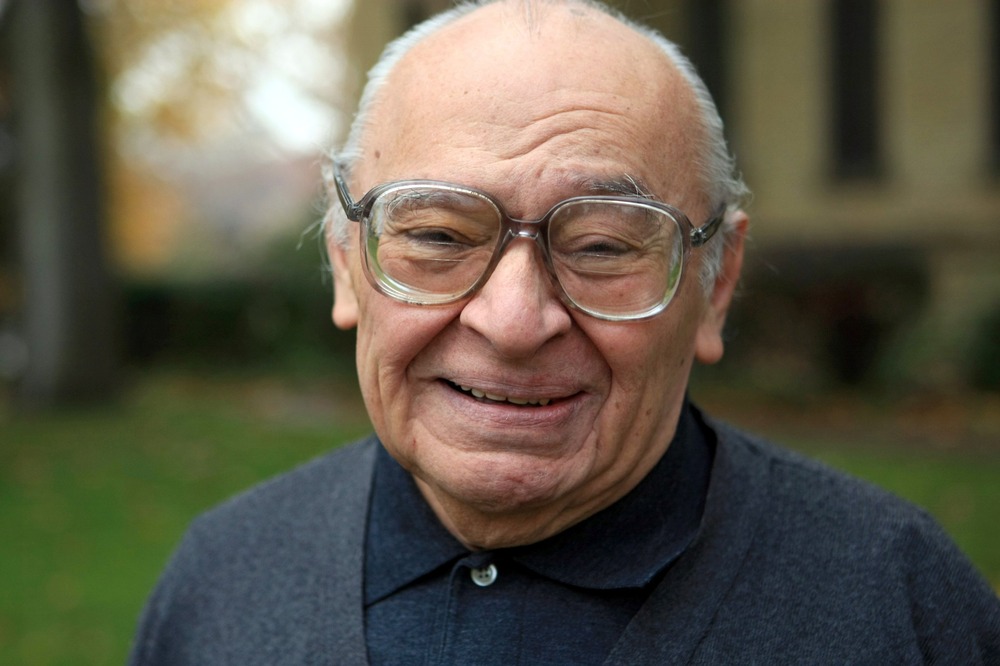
x=708, y=340
x=345, y=298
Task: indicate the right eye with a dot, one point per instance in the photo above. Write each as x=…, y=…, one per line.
x=435, y=236
x=431, y=223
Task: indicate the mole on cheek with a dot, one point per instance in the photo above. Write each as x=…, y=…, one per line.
x=378, y=154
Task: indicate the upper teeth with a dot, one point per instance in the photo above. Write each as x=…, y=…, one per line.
x=504, y=398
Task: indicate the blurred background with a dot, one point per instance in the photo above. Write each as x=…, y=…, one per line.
x=165, y=338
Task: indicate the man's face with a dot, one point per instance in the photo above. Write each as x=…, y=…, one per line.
x=518, y=416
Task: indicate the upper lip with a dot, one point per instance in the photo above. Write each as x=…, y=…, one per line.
x=541, y=393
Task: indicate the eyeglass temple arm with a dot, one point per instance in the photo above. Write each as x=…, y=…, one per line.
x=351, y=209
x=702, y=234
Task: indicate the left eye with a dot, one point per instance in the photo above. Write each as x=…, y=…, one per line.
x=606, y=247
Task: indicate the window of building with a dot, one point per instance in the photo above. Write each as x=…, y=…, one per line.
x=854, y=78
x=707, y=45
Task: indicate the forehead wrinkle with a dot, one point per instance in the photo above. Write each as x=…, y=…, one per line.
x=523, y=144
x=534, y=131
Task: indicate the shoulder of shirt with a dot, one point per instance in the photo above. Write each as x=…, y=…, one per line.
x=269, y=574
x=816, y=506
x=793, y=476
x=822, y=542
x=298, y=499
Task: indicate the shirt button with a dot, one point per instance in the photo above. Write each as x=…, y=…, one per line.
x=484, y=576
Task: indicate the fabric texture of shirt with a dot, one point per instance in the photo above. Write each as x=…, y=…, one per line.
x=565, y=600
x=794, y=563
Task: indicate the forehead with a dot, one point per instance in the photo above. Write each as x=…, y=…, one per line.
x=534, y=92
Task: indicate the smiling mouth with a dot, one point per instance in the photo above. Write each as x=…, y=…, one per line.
x=500, y=399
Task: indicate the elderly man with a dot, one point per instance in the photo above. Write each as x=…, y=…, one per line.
x=538, y=235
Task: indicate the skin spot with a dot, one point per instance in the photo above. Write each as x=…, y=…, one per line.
x=378, y=154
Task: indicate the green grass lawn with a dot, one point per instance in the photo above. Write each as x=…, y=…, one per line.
x=93, y=501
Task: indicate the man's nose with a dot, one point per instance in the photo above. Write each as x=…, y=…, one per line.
x=518, y=309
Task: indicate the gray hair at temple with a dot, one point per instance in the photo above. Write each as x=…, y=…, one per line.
x=725, y=187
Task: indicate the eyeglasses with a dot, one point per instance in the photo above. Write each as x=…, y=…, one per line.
x=617, y=258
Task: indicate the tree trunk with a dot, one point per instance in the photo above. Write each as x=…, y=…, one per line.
x=69, y=308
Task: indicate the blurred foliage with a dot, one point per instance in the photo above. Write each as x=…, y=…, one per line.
x=215, y=114
x=277, y=315
x=181, y=71
x=212, y=116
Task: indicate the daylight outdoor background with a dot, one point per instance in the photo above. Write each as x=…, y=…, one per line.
x=165, y=338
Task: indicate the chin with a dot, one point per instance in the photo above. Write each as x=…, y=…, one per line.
x=507, y=483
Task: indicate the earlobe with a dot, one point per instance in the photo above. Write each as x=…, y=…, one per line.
x=709, y=345
x=345, y=298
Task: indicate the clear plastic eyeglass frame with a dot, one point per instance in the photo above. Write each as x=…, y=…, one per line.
x=511, y=229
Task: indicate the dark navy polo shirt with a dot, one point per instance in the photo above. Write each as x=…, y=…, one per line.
x=565, y=600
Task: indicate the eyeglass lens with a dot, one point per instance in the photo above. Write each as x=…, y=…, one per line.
x=431, y=244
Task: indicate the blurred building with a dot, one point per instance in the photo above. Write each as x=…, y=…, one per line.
x=869, y=131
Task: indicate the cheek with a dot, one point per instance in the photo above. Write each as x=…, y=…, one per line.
x=650, y=363
x=642, y=357
x=390, y=336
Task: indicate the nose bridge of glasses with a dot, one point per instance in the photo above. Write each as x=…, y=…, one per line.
x=530, y=229
x=527, y=267
x=526, y=230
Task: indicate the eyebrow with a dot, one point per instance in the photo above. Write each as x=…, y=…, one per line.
x=626, y=185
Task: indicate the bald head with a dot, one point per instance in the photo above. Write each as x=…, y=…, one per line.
x=506, y=83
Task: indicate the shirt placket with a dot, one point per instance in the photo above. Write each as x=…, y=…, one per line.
x=480, y=620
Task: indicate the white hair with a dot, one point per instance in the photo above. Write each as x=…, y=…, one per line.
x=725, y=188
